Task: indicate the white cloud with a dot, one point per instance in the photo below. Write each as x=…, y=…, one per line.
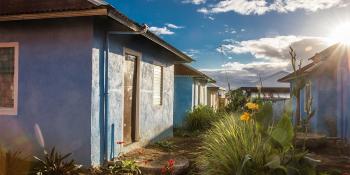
x=275, y=48
x=173, y=26
x=192, y=52
x=197, y=2
x=260, y=7
x=270, y=58
x=211, y=18
x=245, y=74
x=161, y=31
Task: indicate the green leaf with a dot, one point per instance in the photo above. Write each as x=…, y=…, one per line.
x=283, y=133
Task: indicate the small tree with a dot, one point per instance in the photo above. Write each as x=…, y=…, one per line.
x=297, y=84
x=237, y=100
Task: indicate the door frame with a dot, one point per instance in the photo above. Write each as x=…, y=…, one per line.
x=138, y=55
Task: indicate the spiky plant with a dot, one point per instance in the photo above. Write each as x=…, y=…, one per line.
x=55, y=163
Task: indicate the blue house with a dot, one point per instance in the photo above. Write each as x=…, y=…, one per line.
x=328, y=85
x=80, y=76
x=190, y=91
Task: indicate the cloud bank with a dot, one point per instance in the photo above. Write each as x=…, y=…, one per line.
x=270, y=57
x=260, y=7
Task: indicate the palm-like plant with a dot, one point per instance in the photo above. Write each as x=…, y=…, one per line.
x=54, y=163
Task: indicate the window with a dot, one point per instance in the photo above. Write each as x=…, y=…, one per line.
x=157, y=85
x=8, y=78
x=307, y=95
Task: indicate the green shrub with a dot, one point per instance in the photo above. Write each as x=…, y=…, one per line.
x=237, y=100
x=242, y=148
x=54, y=163
x=200, y=118
x=13, y=163
x=124, y=167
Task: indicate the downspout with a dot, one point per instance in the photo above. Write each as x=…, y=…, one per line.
x=105, y=80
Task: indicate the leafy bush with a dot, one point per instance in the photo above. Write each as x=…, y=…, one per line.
x=119, y=167
x=240, y=147
x=237, y=100
x=200, y=118
x=13, y=163
x=54, y=163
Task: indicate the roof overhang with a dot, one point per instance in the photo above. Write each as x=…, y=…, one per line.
x=100, y=8
x=186, y=70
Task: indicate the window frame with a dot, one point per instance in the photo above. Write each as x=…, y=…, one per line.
x=308, y=87
x=161, y=85
x=14, y=109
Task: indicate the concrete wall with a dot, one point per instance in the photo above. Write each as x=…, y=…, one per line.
x=54, y=86
x=155, y=122
x=213, y=98
x=200, y=92
x=183, y=99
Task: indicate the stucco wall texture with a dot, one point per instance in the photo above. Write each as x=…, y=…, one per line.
x=61, y=73
x=54, y=86
x=183, y=99
x=155, y=121
x=330, y=93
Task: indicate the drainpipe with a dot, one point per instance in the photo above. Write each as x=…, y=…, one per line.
x=105, y=80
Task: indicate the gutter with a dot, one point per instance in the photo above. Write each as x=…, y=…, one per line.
x=105, y=85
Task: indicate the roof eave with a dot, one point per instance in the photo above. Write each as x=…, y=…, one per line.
x=114, y=14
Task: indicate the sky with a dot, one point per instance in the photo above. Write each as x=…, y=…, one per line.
x=239, y=40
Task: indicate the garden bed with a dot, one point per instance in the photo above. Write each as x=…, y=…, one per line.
x=184, y=150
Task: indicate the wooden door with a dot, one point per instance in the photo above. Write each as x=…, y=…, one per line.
x=130, y=79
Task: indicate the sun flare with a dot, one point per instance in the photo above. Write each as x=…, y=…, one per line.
x=341, y=34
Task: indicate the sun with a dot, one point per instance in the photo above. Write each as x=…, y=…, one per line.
x=341, y=34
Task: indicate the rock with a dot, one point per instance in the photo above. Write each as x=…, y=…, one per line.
x=154, y=167
x=311, y=140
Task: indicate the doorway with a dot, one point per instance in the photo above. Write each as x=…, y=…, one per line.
x=130, y=116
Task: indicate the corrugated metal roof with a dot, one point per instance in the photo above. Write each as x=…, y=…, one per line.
x=13, y=7
x=20, y=7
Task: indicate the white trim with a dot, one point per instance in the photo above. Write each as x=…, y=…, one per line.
x=308, y=87
x=14, y=110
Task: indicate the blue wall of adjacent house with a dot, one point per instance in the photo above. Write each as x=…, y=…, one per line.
x=54, y=86
x=183, y=99
x=156, y=122
x=324, y=94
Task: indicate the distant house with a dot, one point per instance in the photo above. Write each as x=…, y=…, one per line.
x=86, y=75
x=328, y=86
x=267, y=93
x=216, y=96
x=190, y=91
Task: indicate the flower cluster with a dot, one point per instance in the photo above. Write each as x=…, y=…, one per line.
x=251, y=109
x=245, y=116
x=252, y=106
x=169, y=168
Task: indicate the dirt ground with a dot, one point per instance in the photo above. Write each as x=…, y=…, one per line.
x=178, y=146
x=334, y=156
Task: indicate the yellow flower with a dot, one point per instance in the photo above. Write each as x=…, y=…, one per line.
x=245, y=116
x=252, y=106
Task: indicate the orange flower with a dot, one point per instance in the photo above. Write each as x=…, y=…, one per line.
x=252, y=106
x=245, y=116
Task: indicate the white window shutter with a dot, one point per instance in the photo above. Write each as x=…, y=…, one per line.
x=157, y=85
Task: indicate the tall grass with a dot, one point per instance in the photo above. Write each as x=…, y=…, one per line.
x=234, y=147
x=201, y=118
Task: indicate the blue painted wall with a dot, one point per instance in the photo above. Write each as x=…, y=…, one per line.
x=183, y=99
x=330, y=91
x=156, y=122
x=61, y=88
x=54, y=86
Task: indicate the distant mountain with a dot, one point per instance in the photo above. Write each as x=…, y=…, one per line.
x=251, y=80
x=271, y=80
